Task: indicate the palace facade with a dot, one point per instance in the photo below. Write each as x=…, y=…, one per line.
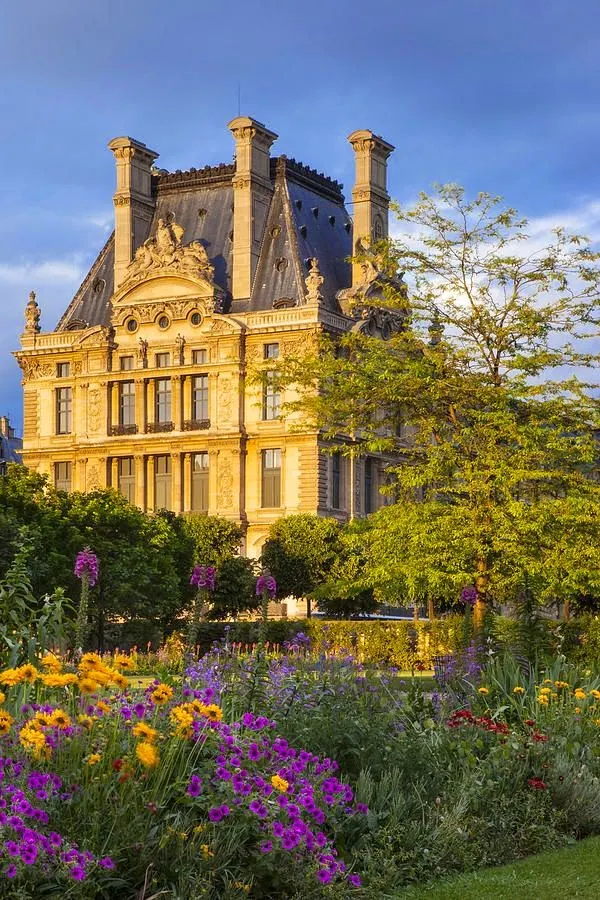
x=210, y=274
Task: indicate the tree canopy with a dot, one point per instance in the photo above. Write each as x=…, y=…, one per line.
x=483, y=402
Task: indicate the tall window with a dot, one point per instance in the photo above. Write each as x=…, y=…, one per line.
x=64, y=401
x=162, y=482
x=63, y=370
x=62, y=476
x=337, y=487
x=163, y=400
x=368, y=486
x=126, y=476
x=200, y=482
x=163, y=360
x=271, y=478
x=199, y=357
x=126, y=363
x=127, y=403
x=200, y=398
x=271, y=405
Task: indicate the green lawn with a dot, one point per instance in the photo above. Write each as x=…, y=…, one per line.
x=561, y=875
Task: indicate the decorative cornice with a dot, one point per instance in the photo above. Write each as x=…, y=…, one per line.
x=297, y=171
x=166, y=182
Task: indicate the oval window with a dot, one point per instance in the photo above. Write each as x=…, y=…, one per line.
x=163, y=322
x=132, y=325
x=195, y=318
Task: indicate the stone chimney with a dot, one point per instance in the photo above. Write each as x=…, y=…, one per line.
x=5, y=428
x=252, y=192
x=133, y=200
x=369, y=194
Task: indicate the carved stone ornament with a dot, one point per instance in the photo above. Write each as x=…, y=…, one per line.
x=366, y=302
x=93, y=409
x=225, y=483
x=219, y=326
x=33, y=368
x=180, y=345
x=101, y=337
x=32, y=315
x=93, y=479
x=166, y=253
x=313, y=282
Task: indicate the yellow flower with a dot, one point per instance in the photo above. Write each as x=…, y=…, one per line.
x=543, y=700
x=518, y=690
x=183, y=720
x=119, y=680
x=147, y=754
x=577, y=709
x=161, y=694
x=561, y=684
x=34, y=741
x=595, y=694
x=124, y=662
x=141, y=730
x=85, y=721
x=544, y=691
x=597, y=722
x=55, y=679
x=102, y=706
x=206, y=851
x=60, y=719
x=6, y=720
x=10, y=677
x=482, y=690
x=51, y=662
x=547, y=681
x=213, y=712
x=94, y=758
x=90, y=661
x=88, y=685
x=580, y=694
x=2, y=698
x=280, y=784
x=28, y=673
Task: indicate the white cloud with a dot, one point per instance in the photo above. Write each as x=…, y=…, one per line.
x=52, y=271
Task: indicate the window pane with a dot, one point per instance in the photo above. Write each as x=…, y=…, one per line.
x=271, y=351
x=200, y=482
x=63, y=410
x=199, y=357
x=62, y=476
x=271, y=398
x=162, y=482
x=126, y=363
x=200, y=398
x=126, y=474
x=163, y=400
x=271, y=478
x=163, y=360
x=127, y=403
x=336, y=478
x=63, y=370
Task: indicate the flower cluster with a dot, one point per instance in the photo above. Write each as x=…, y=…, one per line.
x=466, y=717
x=86, y=564
x=266, y=585
x=204, y=578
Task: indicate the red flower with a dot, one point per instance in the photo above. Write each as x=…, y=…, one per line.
x=117, y=765
x=537, y=784
x=530, y=722
x=542, y=738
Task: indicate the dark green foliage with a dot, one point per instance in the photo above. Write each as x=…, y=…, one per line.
x=214, y=538
x=235, y=588
x=300, y=552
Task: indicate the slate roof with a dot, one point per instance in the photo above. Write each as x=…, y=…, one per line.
x=307, y=218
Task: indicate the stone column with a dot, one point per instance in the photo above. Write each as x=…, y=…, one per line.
x=140, y=405
x=114, y=473
x=187, y=482
x=140, y=481
x=114, y=403
x=150, y=498
x=176, y=482
x=176, y=401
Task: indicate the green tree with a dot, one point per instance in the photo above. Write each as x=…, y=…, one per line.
x=481, y=397
x=235, y=588
x=300, y=551
x=214, y=538
x=346, y=591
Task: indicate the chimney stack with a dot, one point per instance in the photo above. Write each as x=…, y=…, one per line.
x=134, y=205
x=252, y=190
x=369, y=194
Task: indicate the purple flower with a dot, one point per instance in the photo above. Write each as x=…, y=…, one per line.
x=354, y=880
x=266, y=846
x=77, y=873
x=266, y=584
x=194, y=788
x=86, y=564
x=106, y=862
x=324, y=876
x=214, y=814
x=468, y=595
x=203, y=578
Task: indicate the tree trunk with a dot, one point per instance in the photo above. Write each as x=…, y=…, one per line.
x=481, y=585
x=430, y=608
x=567, y=610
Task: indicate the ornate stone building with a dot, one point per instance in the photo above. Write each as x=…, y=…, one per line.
x=209, y=274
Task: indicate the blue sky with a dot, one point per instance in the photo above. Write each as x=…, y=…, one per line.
x=499, y=95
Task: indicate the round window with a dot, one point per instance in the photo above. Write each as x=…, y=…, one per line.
x=132, y=325
x=195, y=318
x=163, y=322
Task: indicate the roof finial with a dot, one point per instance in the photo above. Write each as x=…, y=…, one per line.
x=32, y=315
x=313, y=282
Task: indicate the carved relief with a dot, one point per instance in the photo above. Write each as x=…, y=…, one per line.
x=93, y=479
x=165, y=252
x=94, y=409
x=225, y=483
x=76, y=367
x=225, y=400
x=299, y=345
x=180, y=345
x=219, y=326
x=32, y=315
x=32, y=368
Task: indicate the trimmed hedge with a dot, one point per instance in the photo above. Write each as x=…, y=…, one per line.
x=400, y=643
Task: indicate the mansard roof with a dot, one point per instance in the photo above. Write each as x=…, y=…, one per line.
x=307, y=218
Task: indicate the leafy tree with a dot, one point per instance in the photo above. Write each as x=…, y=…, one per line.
x=345, y=591
x=214, y=538
x=300, y=552
x=235, y=589
x=480, y=396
